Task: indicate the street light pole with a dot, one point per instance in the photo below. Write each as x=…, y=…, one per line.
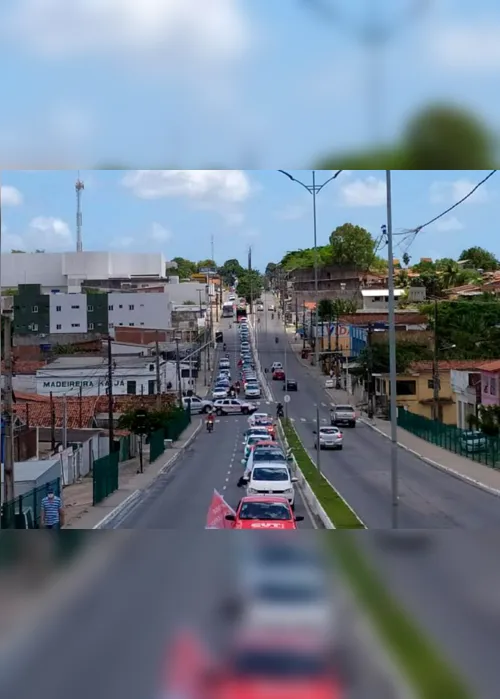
x=392, y=360
x=314, y=189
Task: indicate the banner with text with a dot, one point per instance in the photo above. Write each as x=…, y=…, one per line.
x=217, y=512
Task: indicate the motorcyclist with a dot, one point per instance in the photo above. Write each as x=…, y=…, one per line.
x=210, y=421
x=279, y=410
x=224, y=347
x=237, y=386
x=276, y=339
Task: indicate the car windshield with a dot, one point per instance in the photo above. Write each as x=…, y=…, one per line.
x=267, y=663
x=279, y=554
x=270, y=474
x=268, y=455
x=254, y=438
x=265, y=511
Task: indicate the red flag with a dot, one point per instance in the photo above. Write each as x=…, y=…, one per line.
x=217, y=512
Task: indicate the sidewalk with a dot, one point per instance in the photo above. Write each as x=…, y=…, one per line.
x=80, y=514
x=471, y=471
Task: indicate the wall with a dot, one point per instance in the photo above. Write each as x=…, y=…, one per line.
x=31, y=310
x=379, y=302
x=186, y=291
x=490, y=388
x=139, y=310
x=420, y=403
x=68, y=313
x=31, y=268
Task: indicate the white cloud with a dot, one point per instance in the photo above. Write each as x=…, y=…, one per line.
x=160, y=234
x=11, y=196
x=471, y=47
x=231, y=186
x=43, y=233
x=449, y=224
x=291, y=213
x=122, y=241
x=190, y=30
x=452, y=192
x=368, y=192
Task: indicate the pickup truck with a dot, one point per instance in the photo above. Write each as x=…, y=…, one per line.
x=198, y=405
x=343, y=415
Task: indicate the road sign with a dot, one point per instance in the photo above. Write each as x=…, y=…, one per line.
x=287, y=398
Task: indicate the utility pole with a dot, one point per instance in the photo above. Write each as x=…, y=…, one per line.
x=337, y=349
x=80, y=407
x=52, y=423
x=250, y=270
x=303, y=325
x=111, y=423
x=65, y=423
x=8, y=478
x=392, y=360
x=369, y=338
x=318, y=441
x=435, y=366
x=178, y=362
x=158, y=377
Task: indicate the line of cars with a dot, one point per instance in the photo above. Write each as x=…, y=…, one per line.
x=268, y=478
x=249, y=380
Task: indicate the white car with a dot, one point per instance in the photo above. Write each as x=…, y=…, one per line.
x=219, y=393
x=330, y=383
x=198, y=405
x=271, y=478
x=224, y=364
x=260, y=307
x=330, y=438
x=258, y=417
x=252, y=390
x=233, y=406
x=276, y=365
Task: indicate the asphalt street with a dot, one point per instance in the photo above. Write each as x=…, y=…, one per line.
x=429, y=499
x=180, y=499
x=447, y=580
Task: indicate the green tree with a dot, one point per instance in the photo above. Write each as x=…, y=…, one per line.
x=250, y=285
x=206, y=264
x=406, y=353
x=19, y=251
x=185, y=268
x=352, y=245
x=479, y=258
x=145, y=421
x=229, y=270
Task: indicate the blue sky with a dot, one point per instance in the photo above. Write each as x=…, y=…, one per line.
x=229, y=83
x=177, y=211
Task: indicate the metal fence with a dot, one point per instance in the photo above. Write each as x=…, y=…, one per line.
x=105, y=477
x=156, y=445
x=24, y=512
x=473, y=445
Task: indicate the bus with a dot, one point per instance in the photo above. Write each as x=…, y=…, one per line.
x=228, y=309
x=241, y=312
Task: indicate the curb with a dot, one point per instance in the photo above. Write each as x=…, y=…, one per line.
x=133, y=498
x=440, y=467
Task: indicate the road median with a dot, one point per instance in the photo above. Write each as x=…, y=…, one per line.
x=339, y=512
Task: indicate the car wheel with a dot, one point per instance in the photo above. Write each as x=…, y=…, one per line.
x=206, y=409
x=244, y=411
x=341, y=447
x=353, y=425
x=219, y=411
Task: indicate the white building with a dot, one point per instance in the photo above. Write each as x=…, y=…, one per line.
x=68, y=376
x=188, y=292
x=140, y=310
x=466, y=388
x=68, y=313
x=66, y=270
x=378, y=299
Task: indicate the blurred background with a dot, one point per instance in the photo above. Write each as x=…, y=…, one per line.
x=249, y=83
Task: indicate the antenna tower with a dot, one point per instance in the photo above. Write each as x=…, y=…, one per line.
x=79, y=187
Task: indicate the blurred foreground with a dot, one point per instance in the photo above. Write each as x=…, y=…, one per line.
x=125, y=615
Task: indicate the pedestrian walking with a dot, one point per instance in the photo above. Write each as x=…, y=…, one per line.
x=52, y=511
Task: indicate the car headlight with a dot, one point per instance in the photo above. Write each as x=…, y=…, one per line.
x=252, y=491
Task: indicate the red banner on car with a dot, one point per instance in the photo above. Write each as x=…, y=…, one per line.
x=216, y=518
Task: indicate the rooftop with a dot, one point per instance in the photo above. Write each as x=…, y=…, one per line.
x=492, y=365
x=447, y=365
x=87, y=362
x=38, y=413
x=381, y=292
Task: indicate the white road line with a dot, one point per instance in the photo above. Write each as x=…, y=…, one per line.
x=303, y=419
x=324, y=405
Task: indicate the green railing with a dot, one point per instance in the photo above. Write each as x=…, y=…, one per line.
x=24, y=512
x=177, y=423
x=105, y=477
x=124, y=449
x=472, y=445
x=156, y=445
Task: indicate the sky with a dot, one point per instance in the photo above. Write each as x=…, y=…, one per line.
x=231, y=83
x=177, y=212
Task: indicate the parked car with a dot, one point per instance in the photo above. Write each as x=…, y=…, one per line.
x=290, y=385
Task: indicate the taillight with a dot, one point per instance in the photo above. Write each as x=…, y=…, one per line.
x=340, y=434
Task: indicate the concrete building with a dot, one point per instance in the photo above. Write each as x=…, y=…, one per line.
x=466, y=387
x=189, y=293
x=64, y=271
x=378, y=299
x=141, y=310
x=68, y=376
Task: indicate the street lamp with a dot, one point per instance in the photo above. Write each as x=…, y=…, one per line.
x=314, y=189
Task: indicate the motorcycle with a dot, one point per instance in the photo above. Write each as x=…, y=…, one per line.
x=276, y=339
x=279, y=412
x=210, y=426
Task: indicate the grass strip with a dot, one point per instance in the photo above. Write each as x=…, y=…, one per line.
x=427, y=672
x=339, y=513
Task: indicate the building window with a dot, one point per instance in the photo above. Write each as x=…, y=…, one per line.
x=34, y=309
x=75, y=325
x=120, y=306
x=131, y=325
x=91, y=326
x=493, y=387
x=75, y=308
x=90, y=309
x=111, y=325
x=151, y=388
x=142, y=323
x=132, y=387
x=151, y=367
x=34, y=327
x=58, y=327
x=131, y=308
x=110, y=308
x=406, y=388
x=58, y=309
x=430, y=384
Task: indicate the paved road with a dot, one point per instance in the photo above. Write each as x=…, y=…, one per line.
x=450, y=586
x=181, y=499
x=430, y=499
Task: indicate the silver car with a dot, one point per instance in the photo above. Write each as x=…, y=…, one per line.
x=330, y=438
x=252, y=390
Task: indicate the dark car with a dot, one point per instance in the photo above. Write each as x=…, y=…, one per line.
x=290, y=385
